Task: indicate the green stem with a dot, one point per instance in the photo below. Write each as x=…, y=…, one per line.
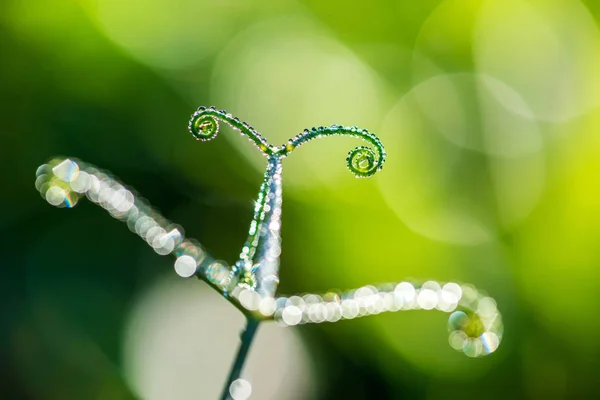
x=236, y=369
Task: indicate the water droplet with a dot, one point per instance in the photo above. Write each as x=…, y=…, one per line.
x=240, y=389
x=218, y=274
x=204, y=127
x=67, y=170
x=185, y=266
x=471, y=325
x=291, y=315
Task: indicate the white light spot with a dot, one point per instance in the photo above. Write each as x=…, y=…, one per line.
x=185, y=266
x=350, y=309
x=405, y=293
x=454, y=288
x=427, y=299
x=473, y=347
x=55, y=196
x=104, y=196
x=487, y=307
x=275, y=226
x=152, y=233
x=296, y=301
x=40, y=180
x=66, y=170
x=312, y=299
x=317, y=312
x=490, y=342
x=81, y=183
x=291, y=315
x=249, y=299
x=163, y=244
x=94, y=188
x=267, y=306
x=240, y=389
x=431, y=285
x=334, y=312
x=457, y=339
x=469, y=293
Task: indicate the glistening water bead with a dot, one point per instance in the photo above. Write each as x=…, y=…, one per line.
x=250, y=284
x=204, y=128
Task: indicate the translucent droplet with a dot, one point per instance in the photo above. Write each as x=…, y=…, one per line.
x=471, y=325
x=350, y=309
x=240, y=389
x=487, y=307
x=267, y=306
x=249, y=299
x=185, y=266
x=67, y=170
x=291, y=315
x=60, y=196
x=405, y=295
x=454, y=288
x=163, y=243
x=457, y=339
x=490, y=342
x=55, y=196
x=81, y=183
x=427, y=299
x=204, y=127
x=218, y=274
x=361, y=160
x=473, y=347
x=189, y=248
x=40, y=180
x=296, y=301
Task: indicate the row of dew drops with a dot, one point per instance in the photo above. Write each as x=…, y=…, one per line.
x=475, y=324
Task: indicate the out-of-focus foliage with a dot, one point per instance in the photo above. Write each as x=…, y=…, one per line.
x=490, y=113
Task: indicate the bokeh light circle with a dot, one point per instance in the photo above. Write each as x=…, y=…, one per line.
x=548, y=52
x=446, y=159
x=168, y=34
x=180, y=340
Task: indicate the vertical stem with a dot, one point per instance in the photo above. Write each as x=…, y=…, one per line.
x=236, y=369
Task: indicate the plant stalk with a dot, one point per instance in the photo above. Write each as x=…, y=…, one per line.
x=246, y=338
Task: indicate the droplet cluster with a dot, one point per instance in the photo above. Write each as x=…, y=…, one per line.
x=261, y=251
x=362, y=161
x=204, y=126
x=475, y=324
x=62, y=182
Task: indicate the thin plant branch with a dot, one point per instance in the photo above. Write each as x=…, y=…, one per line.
x=250, y=284
x=246, y=339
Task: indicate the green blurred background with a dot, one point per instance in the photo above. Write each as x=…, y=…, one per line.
x=490, y=114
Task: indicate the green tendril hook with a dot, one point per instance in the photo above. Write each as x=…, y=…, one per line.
x=362, y=161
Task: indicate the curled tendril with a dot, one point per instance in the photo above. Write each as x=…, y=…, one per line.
x=474, y=324
x=362, y=161
x=204, y=126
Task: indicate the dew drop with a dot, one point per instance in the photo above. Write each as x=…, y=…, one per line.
x=204, y=127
